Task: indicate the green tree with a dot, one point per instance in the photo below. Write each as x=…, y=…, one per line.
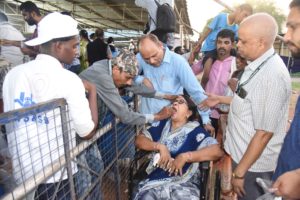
x=269, y=7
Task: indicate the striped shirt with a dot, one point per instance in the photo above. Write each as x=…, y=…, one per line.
x=265, y=107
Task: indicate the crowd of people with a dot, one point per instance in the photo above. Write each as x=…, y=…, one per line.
x=242, y=76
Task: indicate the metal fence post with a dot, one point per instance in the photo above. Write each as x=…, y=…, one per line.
x=66, y=139
x=115, y=166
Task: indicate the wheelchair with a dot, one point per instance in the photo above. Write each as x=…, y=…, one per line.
x=138, y=173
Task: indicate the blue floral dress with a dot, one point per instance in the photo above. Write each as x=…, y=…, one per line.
x=159, y=185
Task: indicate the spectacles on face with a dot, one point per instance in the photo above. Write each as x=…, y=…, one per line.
x=180, y=101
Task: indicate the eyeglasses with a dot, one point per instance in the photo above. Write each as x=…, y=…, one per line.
x=180, y=101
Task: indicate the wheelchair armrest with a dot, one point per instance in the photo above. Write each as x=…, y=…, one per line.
x=204, y=165
x=133, y=171
x=204, y=168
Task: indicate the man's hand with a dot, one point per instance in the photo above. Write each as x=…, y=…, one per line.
x=209, y=128
x=232, y=83
x=170, y=97
x=164, y=113
x=197, y=48
x=288, y=184
x=148, y=83
x=211, y=101
x=238, y=186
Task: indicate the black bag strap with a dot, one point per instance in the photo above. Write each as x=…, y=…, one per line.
x=152, y=19
x=156, y=12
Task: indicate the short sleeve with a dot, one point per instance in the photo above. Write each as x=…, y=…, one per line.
x=214, y=22
x=79, y=107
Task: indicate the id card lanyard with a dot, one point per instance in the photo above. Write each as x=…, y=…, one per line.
x=240, y=85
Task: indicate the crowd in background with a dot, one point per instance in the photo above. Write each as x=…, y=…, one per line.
x=241, y=76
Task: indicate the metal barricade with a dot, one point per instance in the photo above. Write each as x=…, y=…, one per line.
x=41, y=156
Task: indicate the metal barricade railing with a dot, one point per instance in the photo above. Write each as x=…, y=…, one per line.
x=43, y=149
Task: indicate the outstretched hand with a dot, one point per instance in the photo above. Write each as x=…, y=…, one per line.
x=164, y=113
x=170, y=97
x=148, y=83
x=211, y=101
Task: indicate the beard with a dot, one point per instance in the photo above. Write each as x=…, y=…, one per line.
x=296, y=54
x=221, y=51
x=30, y=22
x=294, y=49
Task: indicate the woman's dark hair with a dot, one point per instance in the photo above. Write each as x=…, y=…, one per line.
x=111, y=46
x=194, y=108
x=84, y=34
x=110, y=40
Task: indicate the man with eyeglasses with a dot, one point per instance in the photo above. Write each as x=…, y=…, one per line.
x=259, y=109
x=167, y=72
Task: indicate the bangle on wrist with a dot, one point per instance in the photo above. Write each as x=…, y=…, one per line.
x=189, y=157
x=235, y=176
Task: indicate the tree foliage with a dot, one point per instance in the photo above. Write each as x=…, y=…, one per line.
x=269, y=7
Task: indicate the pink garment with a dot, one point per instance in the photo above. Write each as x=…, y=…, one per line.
x=197, y=67
x=218, y=78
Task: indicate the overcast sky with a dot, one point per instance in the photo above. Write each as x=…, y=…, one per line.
x=202, y=10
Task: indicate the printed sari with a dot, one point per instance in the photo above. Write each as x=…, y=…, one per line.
x=159, y=185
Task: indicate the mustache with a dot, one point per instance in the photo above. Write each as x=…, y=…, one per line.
x=219, y=49
x=123, y=86
x=290, y=43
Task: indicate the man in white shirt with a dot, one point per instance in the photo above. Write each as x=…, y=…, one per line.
x=259, y=108
x=11, y=53
x=37, y=140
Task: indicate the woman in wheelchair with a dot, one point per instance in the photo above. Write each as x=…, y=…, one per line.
x=181, y=143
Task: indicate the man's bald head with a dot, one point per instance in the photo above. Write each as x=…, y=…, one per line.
x=261, y=25
x=151, y=49
x=257, y=34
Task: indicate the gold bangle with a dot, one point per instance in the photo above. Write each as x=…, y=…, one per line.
x=236, y=176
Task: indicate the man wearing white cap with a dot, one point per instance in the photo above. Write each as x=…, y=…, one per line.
x=41, y=80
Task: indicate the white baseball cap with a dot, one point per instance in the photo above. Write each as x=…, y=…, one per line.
x=52, y=26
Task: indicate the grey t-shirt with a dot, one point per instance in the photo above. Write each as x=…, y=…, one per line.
x=100, y=75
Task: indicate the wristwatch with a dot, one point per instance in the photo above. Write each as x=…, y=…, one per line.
x=236, y=176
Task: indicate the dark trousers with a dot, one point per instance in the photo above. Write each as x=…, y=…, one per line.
x=253, y=190
x=47, y=191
